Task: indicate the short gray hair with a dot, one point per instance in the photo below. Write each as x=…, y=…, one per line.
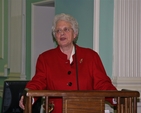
x=67, y=18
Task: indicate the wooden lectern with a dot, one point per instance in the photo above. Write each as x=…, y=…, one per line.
x=86, y=101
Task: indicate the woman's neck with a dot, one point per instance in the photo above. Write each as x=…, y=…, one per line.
x=67, y=50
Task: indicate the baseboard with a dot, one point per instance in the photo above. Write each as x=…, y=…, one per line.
x=133, y=83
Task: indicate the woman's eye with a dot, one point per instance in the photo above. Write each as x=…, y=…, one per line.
x=58, y=31
x=66, y=29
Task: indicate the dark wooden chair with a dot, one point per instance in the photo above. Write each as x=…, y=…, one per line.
x=86, y=101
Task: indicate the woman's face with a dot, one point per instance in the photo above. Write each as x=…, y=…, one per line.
x=64, y=33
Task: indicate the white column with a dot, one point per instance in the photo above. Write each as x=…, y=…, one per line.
x=16, y=39
x=127, y=45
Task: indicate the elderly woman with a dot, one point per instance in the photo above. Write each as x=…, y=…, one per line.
x=68, y=66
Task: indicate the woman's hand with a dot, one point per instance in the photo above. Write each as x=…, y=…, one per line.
x=21, y=103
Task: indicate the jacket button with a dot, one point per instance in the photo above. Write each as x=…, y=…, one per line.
x=69, y=72
x=69, y=84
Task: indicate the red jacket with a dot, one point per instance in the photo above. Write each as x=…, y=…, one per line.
x=54, y=72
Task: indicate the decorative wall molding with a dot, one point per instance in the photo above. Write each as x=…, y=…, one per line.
x=96, y=25
x=23, y=57
x=17, y=38
x=43, y=3
x=2, y=31
x=127, y=38
x=132, y=83
x=14, y=76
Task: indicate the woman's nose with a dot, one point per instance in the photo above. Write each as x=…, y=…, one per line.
x=62, y=32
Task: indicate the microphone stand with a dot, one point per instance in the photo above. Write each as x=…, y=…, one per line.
x=77, y=81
